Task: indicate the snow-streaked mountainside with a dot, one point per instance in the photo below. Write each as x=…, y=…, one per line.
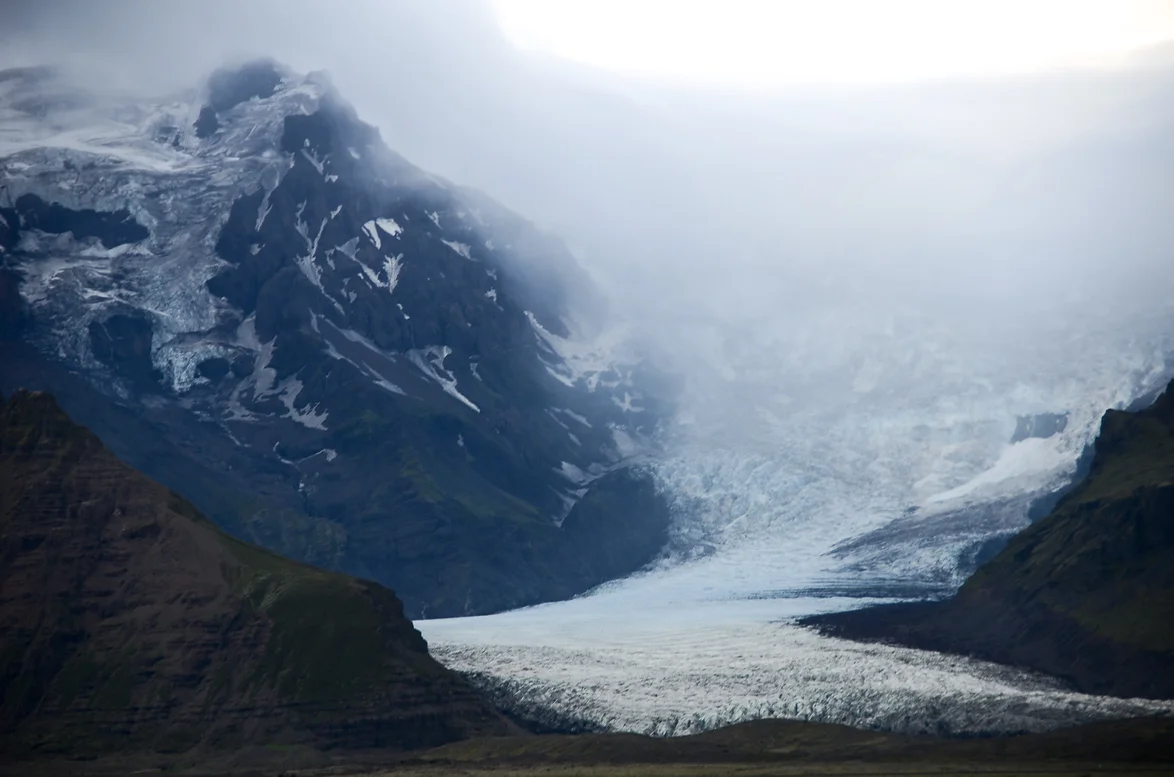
x=343, y=357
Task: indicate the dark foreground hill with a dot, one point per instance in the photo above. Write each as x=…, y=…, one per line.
x=130, y=623
x=764, y=741
x=752, y=749
x=1086, y=593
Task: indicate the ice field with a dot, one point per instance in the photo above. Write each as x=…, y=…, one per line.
x=608, y=662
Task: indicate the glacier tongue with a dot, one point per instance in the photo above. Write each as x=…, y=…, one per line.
x=820, y=461
x=680, y=668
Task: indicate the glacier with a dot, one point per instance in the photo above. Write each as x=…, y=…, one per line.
x=822, y=458
x=613, y=662
x=826, y=450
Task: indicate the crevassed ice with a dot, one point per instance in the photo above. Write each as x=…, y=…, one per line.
x=166, y=273
x=797, y=445
x=684, y=667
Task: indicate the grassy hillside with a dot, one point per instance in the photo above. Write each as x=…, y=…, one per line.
x=128, y=622
x=1086, y=593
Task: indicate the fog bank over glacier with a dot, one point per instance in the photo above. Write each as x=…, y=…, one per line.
x=864, y=297
x=870, y=298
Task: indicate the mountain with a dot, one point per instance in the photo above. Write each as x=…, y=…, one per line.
x=328, y=351
x=128, y=621
x=1086, y=593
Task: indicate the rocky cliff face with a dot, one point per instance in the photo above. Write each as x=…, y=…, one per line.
x=355, y=363
x=128, y=621
x=1086, y=593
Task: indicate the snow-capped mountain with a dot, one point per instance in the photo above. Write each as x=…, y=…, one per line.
x=328, y=350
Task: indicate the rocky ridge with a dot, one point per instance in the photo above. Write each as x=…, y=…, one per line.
x=337, y=355
x=1086, y=593
x=129, y=622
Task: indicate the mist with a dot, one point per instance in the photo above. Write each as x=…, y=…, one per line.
x=943, y=253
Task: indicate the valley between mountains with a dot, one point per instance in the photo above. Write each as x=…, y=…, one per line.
x=313, y=460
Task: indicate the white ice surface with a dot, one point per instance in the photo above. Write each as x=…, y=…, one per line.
x=688, y=666
x=460, y=248
x=430, y=361
x=590, y=362
x=792, y=439
x=371, y=228
x=308, y=416
x=131, y=148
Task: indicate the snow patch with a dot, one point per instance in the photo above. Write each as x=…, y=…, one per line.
x=387, y=385
x=96, y=251
x=312, y=158
x=389, y=226
x=349, y=249
x=430, y=360
x=362, y=366
x=372, y=234
x=307, y=261
x=392, y=266
x=626, y=405
x=262, y=212
x=574, y=415
x=264, y=376
x=371, y=228
x=590, y=362
x=574, y=474
x=1024, y=459
x=308, y=417
x=460, y=248
x=626, y=445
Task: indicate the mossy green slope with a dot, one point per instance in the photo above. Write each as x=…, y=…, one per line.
x=128, y=622
x=1086, y=593
x=1104, y=559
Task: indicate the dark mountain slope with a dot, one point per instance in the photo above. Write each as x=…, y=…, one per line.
x=370, y=368
x=1086, y=593
x=127, y=621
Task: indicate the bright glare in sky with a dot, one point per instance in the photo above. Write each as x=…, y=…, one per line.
x=771, y=42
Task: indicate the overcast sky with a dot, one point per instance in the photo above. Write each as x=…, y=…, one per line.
x=759, y=43
x=988, y=194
